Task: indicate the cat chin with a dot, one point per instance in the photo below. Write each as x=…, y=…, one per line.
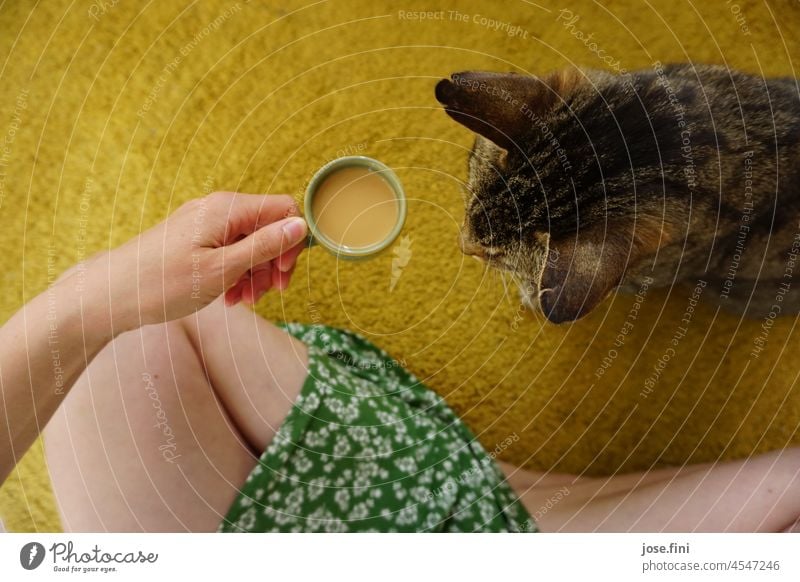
x=529, y=296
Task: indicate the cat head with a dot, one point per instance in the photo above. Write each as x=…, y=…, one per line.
x=535, y=207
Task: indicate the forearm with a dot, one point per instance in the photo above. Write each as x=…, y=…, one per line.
x=238, y=244
x=45, y=347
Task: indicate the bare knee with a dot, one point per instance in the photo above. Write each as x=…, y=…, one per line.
x=130, y=361
x=152, y=347
x=145, y=444
x=214, y=317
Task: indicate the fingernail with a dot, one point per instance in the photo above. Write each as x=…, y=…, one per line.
x=295, y=229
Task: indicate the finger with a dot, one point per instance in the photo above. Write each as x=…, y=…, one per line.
x=280, y=279
x=289, y=275
x=260, y=283
x=265, y=266
x=233, y=296
x=249, y=212
x=239, y=291
x=248, y=295
x=265, y=244
x=287, y=260
x=251, y=292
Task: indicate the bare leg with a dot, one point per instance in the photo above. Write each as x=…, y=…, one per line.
x=757, y=494
x=167, y=422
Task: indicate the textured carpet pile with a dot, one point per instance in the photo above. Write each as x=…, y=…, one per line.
x=114, y=113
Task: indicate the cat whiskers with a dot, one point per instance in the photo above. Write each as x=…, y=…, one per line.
x=518, y=283
x=495, y=272
x=505, y=285
x=502, y=270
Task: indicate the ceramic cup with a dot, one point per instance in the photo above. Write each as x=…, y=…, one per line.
x=316, y=237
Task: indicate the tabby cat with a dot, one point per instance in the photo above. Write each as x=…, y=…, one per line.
x=582, y=182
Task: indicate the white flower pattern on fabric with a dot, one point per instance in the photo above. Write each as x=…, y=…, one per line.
x=368, y=448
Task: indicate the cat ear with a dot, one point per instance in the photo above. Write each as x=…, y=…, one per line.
x=582, y=269
x=502, y=106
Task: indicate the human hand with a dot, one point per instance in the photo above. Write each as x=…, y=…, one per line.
x=241, y=245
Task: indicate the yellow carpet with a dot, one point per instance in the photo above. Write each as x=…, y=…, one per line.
x=114, y=113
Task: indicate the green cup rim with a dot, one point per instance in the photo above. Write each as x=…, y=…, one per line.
x=316, y=237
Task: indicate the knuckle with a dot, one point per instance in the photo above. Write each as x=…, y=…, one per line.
x=218, y=268
x=190, y=204
x=202, y=202
x=215, y=201
x=215, y=198
x=270, y=243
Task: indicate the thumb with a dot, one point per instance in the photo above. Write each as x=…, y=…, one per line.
x=265, y=244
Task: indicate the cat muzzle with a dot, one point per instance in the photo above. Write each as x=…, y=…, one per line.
x=471, y=249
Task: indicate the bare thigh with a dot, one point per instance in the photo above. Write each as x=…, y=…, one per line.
x=165, y=424
x=761, y=493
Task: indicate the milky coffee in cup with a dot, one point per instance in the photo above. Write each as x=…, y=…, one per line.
x=355, y=207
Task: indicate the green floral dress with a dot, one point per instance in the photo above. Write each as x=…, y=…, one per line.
x=368, y=448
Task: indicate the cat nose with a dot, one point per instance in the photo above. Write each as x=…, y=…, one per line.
x=470, y=248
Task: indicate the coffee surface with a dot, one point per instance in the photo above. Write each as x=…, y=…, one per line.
x=355, y=207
